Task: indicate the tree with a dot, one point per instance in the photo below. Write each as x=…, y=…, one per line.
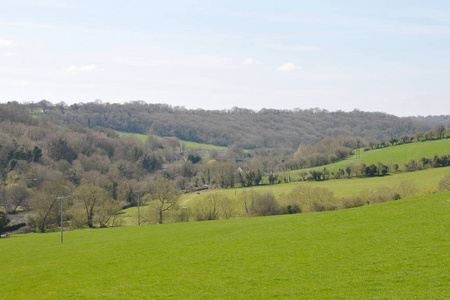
x=45, y=204
x=92, y=199
x=439, y=131
x=16, y=195
x=418, y=135
x=108, y=213
x=3, y=221
x=165, y=195
x=59, y=149
x=222, y=173
x=370, y=170
x=260, y=204
x=393, y=141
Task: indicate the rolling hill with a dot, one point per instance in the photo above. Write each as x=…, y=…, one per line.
x=394, y=250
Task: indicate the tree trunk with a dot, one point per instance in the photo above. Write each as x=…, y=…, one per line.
x=160, y=216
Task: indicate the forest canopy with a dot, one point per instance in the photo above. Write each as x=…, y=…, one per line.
x=267, y=128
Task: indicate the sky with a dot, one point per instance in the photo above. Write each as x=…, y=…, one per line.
x=386, y=56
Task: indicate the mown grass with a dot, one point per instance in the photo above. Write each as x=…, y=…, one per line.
x=394, y=250
x=396, y=154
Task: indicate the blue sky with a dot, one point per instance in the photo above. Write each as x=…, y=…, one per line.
x=389, y=56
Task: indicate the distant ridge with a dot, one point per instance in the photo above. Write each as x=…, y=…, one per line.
x=267, y=128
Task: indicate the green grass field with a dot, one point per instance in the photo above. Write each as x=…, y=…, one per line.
x=398, y=154
x=187, y=144
x=345, y=187
x=424, y=180
x=394, y=250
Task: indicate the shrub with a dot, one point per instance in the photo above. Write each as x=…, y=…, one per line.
x=444, y=184
x=260, y=204
x=207, y=209
x=350, y=202
x=291, y=208
x=306, y=199
x=429, y=190
x=379, y=195
x=407, y=189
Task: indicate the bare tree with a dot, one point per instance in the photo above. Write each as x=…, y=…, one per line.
x=16, y=195
x=91, y=198
x=45, y=205
x=165, y=195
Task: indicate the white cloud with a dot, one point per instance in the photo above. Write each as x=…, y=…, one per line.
x=251, y=61
x=76, y=69
x=19, y=84
x=7, y=54
x=5, y=43
x=288, y=67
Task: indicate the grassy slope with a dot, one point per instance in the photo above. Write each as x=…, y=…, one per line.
x=341, y=188
x=345, y=187
x=394, y=250
x=189, y=145
x=397, y=154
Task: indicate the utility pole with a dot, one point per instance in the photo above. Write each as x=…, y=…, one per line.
x=62, y=224
x=139, y=206
x=235, y=173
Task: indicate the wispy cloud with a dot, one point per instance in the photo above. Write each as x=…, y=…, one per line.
x=7, y=54
x=287, y=68
x=5, y=43
x=76, y=69
x=251, y=61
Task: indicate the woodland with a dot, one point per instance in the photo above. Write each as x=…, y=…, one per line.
x=53, y=151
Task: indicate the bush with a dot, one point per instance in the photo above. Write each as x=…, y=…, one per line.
x=258, y=204
x=207, y=209
x=407, y=189
x=350, y=202
x=291, y=208
x=307, y=199
x=379, y=195
x=444, y=184
x=214, y=207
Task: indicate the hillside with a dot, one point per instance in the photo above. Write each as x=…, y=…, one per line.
x=397, y=249
x=424, y=181
x=400, y=155
x=267, y=128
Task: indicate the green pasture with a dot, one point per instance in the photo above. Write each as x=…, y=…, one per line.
x=187, y=144
x=393, y=250
x=343, y=187
x=396, y=154
x=425, y=181
x=404, y=153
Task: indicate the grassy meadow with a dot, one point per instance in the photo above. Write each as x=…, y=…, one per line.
x=396, y=154
x=425, y=181
x=187, y=144
x=393, y=250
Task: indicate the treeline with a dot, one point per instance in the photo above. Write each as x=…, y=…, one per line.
x=267, y=128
